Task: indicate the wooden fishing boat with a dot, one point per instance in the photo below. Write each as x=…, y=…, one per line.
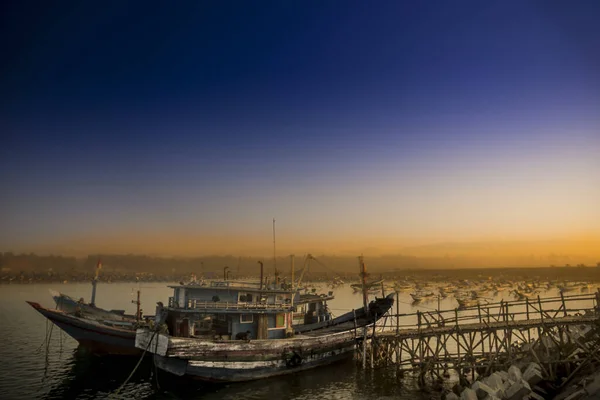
x=252, y=335
x=103, y=332
x=100, y=336
x=420, y=296
x=79, y=307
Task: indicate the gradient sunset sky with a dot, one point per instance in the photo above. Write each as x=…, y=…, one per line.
x=184, y=128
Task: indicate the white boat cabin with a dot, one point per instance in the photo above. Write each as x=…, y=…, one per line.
x=232, y=310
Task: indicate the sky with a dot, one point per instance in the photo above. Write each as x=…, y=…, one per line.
x=185, y=128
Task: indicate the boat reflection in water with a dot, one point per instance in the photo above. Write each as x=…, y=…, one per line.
x=86, y=376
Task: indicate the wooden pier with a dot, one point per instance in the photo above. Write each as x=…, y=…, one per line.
x=555, y=332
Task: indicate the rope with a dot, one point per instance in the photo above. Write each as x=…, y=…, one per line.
x=44, y=343
x=155, y=368
x=116, y=393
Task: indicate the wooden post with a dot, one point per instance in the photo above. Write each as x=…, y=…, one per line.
x=540, y=306
x=397, y=313
x=138, y=314
x=564, y=306
x=527, y=311
x=373, y=343
x=364, y=349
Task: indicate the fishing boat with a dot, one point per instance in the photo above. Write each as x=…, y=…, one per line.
x=100, y=336
x=103, y=332
x=69, y=305
x=420, y=296
x=252, y=334
x=466, y=303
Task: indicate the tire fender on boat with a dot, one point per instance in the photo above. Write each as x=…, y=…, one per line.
x=295, y=360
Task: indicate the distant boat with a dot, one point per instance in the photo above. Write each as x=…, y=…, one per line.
x=465, y=303
x=420, y=296
x=368, y=284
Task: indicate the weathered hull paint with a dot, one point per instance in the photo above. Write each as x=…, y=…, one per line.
x=239, y=371
x=98, y=338
x=233, y=361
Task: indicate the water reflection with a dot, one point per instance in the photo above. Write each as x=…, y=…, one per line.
x=85, y=376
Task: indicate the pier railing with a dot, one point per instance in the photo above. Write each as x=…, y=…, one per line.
x=535, y=308
x=556, y=332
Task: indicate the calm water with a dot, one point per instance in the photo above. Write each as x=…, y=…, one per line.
x=29, y=370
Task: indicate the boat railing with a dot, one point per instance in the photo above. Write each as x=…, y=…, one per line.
x=193, y=304
x=237, y=284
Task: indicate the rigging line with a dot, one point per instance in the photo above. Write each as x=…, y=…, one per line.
x=116, y=393
x=326, y=267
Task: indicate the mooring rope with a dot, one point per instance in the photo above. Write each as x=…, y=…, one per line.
x=44, y=343
x=116, y=393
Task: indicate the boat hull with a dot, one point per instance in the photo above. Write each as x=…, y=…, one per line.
x=97, y=338
x=232, y=371
x=235, y=361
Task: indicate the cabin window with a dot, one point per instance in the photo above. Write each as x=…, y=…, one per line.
x=280, y=321
x=246, y=318
x=245, y=298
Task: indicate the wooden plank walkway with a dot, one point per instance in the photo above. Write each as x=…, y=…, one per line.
x=552, y=331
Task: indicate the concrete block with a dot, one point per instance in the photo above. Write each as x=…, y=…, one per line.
x=457, y=389
x=539, y=390
x=468, y=394
x=593, y=388
x=566, y=392
x=503, y=375
x=533, y=396
x=533, y=376
x=494, y=381
x=580, y=394
x=534, y=365
x=491, y=397
x=514, y=373
x=517, y=391
x=506, y=385
x=482, y=390
x=547, y=342
x=451, y=396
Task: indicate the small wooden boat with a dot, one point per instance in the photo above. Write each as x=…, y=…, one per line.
x=96, y=329
x=110, y=337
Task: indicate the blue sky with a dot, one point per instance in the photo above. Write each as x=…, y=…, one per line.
x=406, y=120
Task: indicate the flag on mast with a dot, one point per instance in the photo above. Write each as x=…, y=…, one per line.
x=98, y=267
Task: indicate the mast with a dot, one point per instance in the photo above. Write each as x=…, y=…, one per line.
x=94, y=283
x=363, y=279
x=261, y=276
x=293, y=271
x=138, y=313
x=275, y=256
